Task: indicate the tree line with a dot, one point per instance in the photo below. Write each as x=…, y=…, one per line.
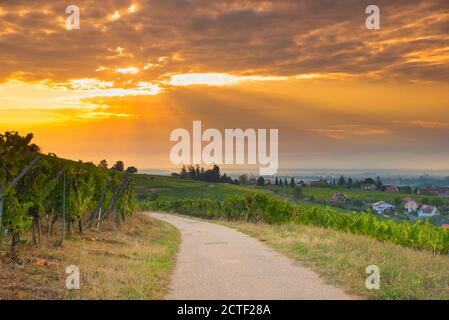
x=261, y=181
x=208, y=175
x=118, y=166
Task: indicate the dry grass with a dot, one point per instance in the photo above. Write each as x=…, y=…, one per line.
x=133, y=263
x=341, y=258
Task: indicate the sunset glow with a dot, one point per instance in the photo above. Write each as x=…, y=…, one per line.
x=340, y=95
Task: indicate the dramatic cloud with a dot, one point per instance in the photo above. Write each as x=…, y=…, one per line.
x=250, y=38
x=341, y=95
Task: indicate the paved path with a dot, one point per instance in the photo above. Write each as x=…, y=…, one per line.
x=217, y=262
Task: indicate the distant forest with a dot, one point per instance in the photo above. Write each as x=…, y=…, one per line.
x=209, y=175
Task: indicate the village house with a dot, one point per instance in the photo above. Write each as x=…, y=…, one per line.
x=338, y=197
x=434, y=191
x=427, y=211
x=444, y=192
x=405, y=189
x=391, y=188
x=369, y=186
x=382, y=207
x=410, y=205
x=444, y=223
x=427, y=191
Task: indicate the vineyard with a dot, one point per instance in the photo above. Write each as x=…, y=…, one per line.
x=258, y=207
x=72, y=195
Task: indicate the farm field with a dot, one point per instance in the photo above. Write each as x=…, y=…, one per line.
x=324, y=194
x=133, y=263
x=149, y=187
x=152, y=187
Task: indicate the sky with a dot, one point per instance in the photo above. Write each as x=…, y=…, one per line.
x=341, y=96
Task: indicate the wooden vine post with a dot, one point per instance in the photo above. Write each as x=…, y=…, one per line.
x=97, y=212
x=124, y=206
x=63, y=208
x=112, y=205
x=1, y=209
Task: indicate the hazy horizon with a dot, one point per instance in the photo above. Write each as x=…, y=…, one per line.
x=318, y=171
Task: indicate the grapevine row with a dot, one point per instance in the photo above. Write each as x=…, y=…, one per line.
x=257, y=207
x=33, y=186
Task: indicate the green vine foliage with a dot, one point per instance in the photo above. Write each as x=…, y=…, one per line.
x=256, y=207
x=40, y=189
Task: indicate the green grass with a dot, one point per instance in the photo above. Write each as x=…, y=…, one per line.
x=341, y=258
x=324, y=194
x=363, y=195
x=170, y=188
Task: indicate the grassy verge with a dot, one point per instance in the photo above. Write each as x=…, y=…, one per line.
x=341, y=258
x=133, y=263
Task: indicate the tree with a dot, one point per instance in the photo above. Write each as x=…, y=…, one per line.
x=369, y=181
x=183, y=173
x=103, y=164
x=197, y=172
x=350, y=182
x=341, y=181
x=224, y=178
x=208, y=176
x=260, y=181
x=281, y=183
x=119, y=166
x=216, y=173
x=131, y=170
x=285, y=182
x=379, y=183
x=191, y=172
x=437, y=201
x=243, y=179
x=202, y=173
x=292, y=183
x=276, y=182
x=297, y=192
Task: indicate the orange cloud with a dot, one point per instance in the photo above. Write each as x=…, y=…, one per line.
x=427, y=124
x=342, y=132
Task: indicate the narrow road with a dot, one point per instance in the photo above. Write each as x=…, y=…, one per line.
x=217, y=262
